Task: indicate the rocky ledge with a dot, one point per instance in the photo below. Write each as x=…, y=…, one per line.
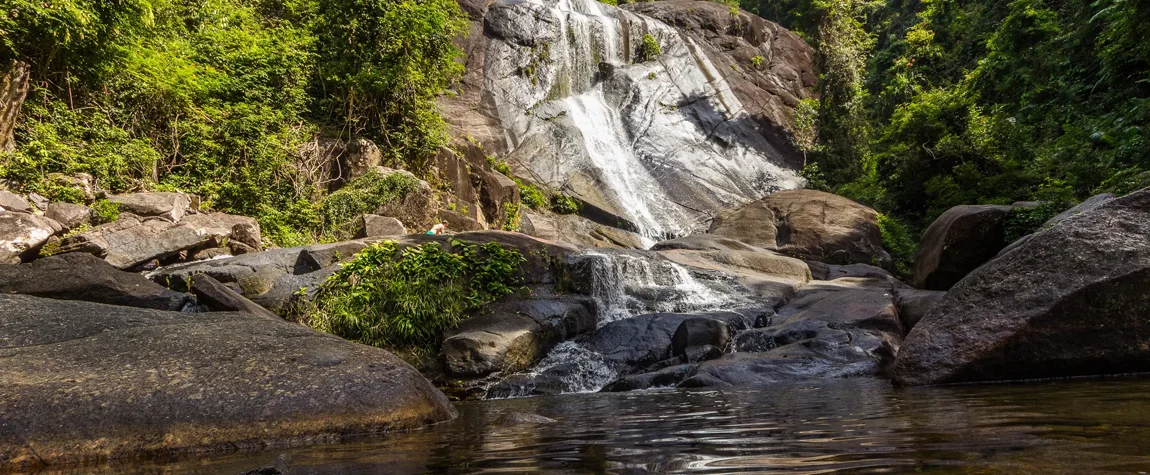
x=87, y=381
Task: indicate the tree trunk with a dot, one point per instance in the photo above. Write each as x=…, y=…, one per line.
x=13, y=90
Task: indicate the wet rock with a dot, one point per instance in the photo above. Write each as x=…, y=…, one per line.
x=78, y=276
x=22, y=235
x=637, y=341
x=166, y=205
x=519, y=418
x=704, y=242
x=513, y=335
x=1071, y=301
x=808, y=224
x=833, y=329
x=147, y=382
x=699, y=332
x=375, y=225
x=665, y=377
x=220, y=298
x=960, y=240
x=69, y=215
x=913, y=305
x=12, y=202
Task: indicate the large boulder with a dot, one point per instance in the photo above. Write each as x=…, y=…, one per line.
x=808, y=224
x=375, y=225
x=71, y=216
x=1071, y=301
x=166, y=205
x=961, y=239
x=577, y=230
x=218, y=297
x=513, y=336
x=914, y=304
x=85, y=381
x=79, y=276
x=22, y=235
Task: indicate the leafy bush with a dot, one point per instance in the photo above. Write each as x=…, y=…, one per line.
x=104, y=211
x=649, y=49
x=1026, y=220
x=531, y=195
x=562, y=204
x=757, y=61
x=511, y=223
x=340, y=210
x=897, y=241
x=407, y=299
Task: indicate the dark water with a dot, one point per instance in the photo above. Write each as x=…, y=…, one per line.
x=853, y=426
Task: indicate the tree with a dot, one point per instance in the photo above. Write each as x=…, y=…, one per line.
x=843, y=47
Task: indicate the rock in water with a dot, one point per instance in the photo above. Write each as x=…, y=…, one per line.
x=517, y=418
x=85, y=381
x=1071, y=301
x=79, y=276
x=808, y=224
x=960, y=240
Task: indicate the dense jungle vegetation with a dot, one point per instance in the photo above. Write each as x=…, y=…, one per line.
x=927, y=104
x=219, y=97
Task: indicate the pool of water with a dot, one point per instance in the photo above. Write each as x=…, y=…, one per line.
x=853, y=426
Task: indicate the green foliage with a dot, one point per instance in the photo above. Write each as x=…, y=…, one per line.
x=1026, y=220
x=843, y=131
x=383, y=66
x=499, y=165
x=756, y=61
x=104, y=211
x=563, y=204
x=407, y=299
x=339, y=211
x=531, y=195
x=511, y=223
x=610, y=2
x=649, y=49
x=899, y=243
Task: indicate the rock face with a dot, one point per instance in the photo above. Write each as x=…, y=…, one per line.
x=1071, y=301
x=913, y=305
x=22, y=235
x=78, y=276
x=960, y=240
x=12, y=202
x=808, y=224
x=653, y=143
x=69, y=215
x=132, y=240
x=86, y=381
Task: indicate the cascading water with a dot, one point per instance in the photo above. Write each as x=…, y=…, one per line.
x=661, y=144
x=624, y=285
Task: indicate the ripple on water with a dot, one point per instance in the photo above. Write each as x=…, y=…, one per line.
x=854, y=426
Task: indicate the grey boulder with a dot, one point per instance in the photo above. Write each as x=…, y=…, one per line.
x=166, y=205
x=79, y=276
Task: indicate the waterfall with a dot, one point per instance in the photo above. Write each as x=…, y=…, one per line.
x=663, y=144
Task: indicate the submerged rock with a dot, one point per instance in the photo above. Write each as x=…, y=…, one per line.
x=517, y=418
x=78, y=276
x=86, y=381
x=1071, y=301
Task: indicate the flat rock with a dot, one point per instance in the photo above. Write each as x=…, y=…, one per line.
x=1071, y=301
x=79, y=276
x=166, y=205
x=132, y=240
x=69, y=215
x=13, y=202
x=86, y=381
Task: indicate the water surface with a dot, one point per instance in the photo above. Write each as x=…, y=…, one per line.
x=851, y=426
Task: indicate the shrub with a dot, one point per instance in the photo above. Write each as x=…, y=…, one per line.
x=649, y=49
x=339, y=211
x=511, y=223
x=406, y=299
x=562, y=204
x=105, y=211
x=531, y=195
x=897, y=241
x=757, y=61
x=1026, y=220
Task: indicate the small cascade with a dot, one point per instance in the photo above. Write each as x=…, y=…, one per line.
x=624, y=286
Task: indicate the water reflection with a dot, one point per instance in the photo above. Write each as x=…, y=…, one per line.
x=854, y=426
